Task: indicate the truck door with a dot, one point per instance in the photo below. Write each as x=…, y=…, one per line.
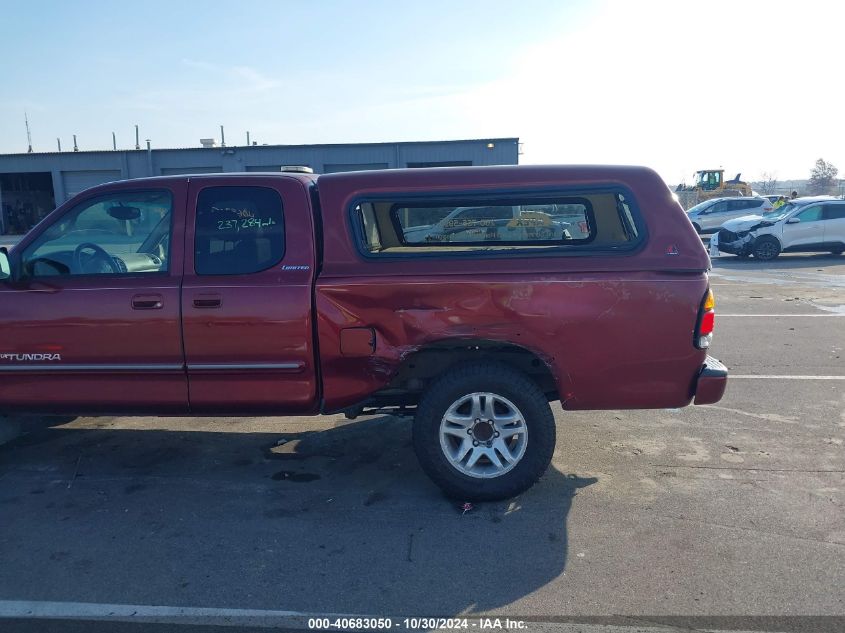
x=91, y=320
x=246, y=295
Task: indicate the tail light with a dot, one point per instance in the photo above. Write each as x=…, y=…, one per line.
x=706, y=321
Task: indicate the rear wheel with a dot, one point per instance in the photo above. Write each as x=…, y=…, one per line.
x=766, y=248
x=484, y=431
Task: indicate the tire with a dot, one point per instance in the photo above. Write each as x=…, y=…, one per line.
x=766, y=248
x=531, y=426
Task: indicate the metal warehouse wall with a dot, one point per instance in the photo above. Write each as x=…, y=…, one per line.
x=73, y=171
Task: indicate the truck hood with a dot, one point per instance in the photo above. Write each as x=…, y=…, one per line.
x=745, y=223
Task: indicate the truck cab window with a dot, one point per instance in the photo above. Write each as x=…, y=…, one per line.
x=239, y=230
x=124, y=233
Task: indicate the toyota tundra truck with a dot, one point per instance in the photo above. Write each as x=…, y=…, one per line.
x=356, y=293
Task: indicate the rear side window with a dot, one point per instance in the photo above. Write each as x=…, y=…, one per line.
x=590, y=220
x=239, y=230
x=834, y=212
x=741, y=205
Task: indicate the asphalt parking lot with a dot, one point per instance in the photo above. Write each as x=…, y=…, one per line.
x=734, y=509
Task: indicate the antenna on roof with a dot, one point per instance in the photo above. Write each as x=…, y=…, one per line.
x=28, y=135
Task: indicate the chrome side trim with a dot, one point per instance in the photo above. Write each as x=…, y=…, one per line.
x=232, y=366
x=298, y=366
x=65, y=367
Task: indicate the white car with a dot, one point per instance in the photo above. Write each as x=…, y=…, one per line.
x=804, y=225
x=709, y=215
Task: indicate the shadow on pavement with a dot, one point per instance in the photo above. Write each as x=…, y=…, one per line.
x=13, y=426
x=341, y=521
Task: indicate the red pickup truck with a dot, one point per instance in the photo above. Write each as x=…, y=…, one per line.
x=470, y=297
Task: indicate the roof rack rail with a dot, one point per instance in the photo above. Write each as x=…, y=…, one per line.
x=298, y=169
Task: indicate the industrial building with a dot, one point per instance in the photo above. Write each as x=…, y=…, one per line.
x=33, y=184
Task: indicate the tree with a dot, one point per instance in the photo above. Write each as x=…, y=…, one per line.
x=823, y=177
x=768, y=182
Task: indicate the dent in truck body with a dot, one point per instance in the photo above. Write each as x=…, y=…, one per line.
x=611, y=344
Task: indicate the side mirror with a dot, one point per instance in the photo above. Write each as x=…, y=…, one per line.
x=793, y=221
x=5, y=266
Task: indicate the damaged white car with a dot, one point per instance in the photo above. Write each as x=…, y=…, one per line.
x=804, y=225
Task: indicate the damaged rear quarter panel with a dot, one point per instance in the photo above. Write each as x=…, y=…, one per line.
x=611, y=341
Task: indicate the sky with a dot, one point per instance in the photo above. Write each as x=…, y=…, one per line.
x=753, y=87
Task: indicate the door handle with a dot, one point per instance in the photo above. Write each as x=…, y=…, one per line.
x=147, y=302
x=207, y=301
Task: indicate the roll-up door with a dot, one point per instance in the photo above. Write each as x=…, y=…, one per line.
x=78, y=181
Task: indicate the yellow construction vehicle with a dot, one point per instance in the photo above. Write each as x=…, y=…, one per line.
x=711, y=183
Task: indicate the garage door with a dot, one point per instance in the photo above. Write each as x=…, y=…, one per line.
x=78, y=181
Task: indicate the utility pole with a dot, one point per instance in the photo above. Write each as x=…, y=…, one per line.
x=137, y=144
x=59, y=143
x=222, y=137
x=75, y=147
x=149, y=159
x=28, y=135
x=113, y=141
x=247, y=138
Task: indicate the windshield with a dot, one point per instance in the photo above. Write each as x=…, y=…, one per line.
x=701, y=206
x=780, y=213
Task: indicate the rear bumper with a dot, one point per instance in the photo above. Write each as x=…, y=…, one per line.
x=711, y=382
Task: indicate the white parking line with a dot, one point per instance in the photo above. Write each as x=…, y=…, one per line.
x=773, y=377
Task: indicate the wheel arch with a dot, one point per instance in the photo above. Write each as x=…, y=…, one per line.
x=768, y=236
x=420, y=367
